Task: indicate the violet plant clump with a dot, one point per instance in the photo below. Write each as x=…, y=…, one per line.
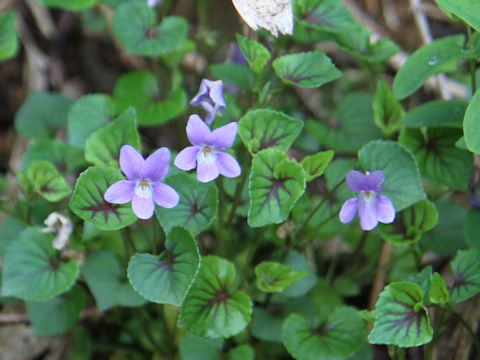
x=372, y=206
x=251, y=249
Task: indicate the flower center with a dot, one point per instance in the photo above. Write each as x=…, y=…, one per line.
x=143, y=188
x=207, y=150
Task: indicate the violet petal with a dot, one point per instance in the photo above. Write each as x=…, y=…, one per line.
x=367, y=213
x=143, y=207
x=207, y=168
x=156, y=166
x=349, y=208
x=202, y=93
x=131, y=162
x=120, y=192
x=385, y=209
x=187, y=158
x=227, y=165
x=224, y=136
x=164, y=195
x=356, y=181
x=197, y=131
x=374, y=181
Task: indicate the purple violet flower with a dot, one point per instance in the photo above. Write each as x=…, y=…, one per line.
x=205, y=153
x=143, y=185
x=153, y=3
x=210, y=97
x=372, y=207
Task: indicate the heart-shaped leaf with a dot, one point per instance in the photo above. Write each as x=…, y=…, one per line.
x=402, y=180
x=88, y=203
x=70, y=4
x=276, y=183
x=400, y=317
x=438, y=293
x=426, y=61
x=472, y=230
x=197, y=206
x=466, y=271
x=103, y=146
x=8, y=34
x=351, y=126
x=55, y=316
x=108, y=281
x=212, y=307
x=42, y=114
x=339, y=337
x=47, y=181
x=410, y=223
x=65, y=158
x=314, y=165
x=88, y=114
x=438, y=158
x=275, y=277
x=141, y=90
x=241, y=352
x=166, y=278
x=192, y=346
x=437, y=113
x=262, y=129
x=32, y=269
x=256, y=54
x=134, y=25
x=308, y=69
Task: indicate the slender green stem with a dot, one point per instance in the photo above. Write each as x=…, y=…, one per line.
x=221, y=233
x=159, y=348
x=473, y=69
x=436, y=334
x=130, y=239
x=314, y=211
x=237, y=197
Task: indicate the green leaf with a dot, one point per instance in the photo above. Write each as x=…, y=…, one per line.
x=426, y=61
x=88, y=203
x=472, y=230
x=410, y=223
x=55, y=316
x=350, y=127
x=88, y=114
x=341, y=336
x=32, y=269
x=275, y=277
x=8, y=35
x=134, y=25
x=235, y=74
x=153, y=105
x=70, y=4
x=439, y=159
x=308, y=69
x=65, y=158
x=212, y=307
x=42, y=114
x=466, y=271
x=437, y=113
x=47, y=181
x=467, y=10
x=266, y=326
x=166, y=278
x=198, y=348
x=103, y=146
x=315, y=165
x=256, y=54
x=196, y=208
x=108, y=281
x=262, y=129
x=422, y=279
x=302, y=286
x=388, y=113
x=276, y=183
x=438, y=290
x=471, y=127
x=10, y=227
x=241, y=352
x=451, y=223
x=402, y=181
x=400, y=317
